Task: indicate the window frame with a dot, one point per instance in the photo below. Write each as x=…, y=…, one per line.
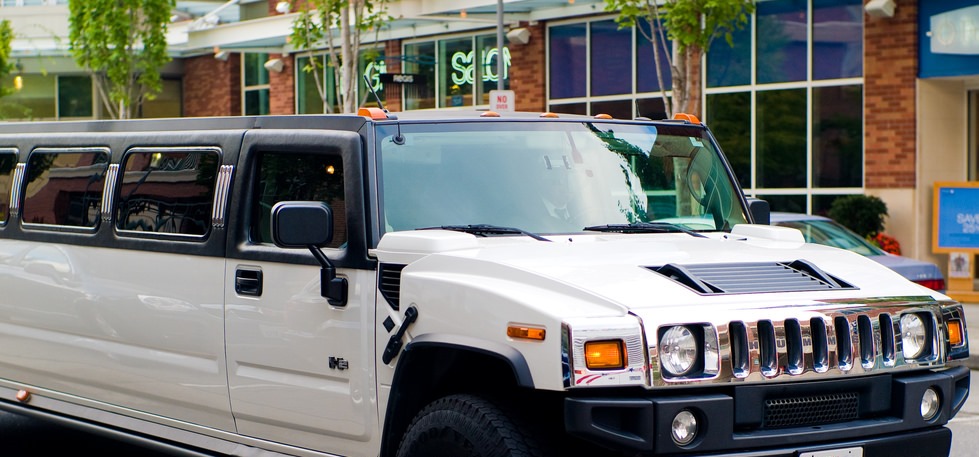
x=12, y=192
x=117, y=186
x=102, y=191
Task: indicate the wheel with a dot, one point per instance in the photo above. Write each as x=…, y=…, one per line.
x=465, y=426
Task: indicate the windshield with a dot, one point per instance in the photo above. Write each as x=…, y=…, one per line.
x=555, y=177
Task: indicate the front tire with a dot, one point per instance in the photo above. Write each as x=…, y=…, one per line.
x=466, y=426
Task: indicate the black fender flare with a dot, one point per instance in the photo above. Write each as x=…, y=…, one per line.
x=394, y=425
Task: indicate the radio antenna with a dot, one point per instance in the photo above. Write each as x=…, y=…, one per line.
x=380, y=104
x=398, y=139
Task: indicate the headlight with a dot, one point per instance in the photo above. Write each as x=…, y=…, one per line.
x=678, y=350
x=914, y=336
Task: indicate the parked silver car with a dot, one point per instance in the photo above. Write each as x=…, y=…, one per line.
x=823, y=230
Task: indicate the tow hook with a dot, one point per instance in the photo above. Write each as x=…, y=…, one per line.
x=394, y=344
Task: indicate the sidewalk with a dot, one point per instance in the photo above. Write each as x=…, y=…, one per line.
x=972, y=330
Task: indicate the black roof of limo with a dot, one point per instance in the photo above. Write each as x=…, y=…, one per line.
x=351, y=122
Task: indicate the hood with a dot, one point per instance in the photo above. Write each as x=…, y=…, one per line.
x=626, y=270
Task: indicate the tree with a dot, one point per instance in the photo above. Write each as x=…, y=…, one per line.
x=349, y=18
x=6, y=66
x=691, y=26
x=7, y=109
x=122, y=43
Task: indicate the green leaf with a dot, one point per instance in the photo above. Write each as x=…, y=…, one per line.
x=122, y=43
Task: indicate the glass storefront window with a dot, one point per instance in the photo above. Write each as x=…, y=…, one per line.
x=799, y=143
x=462, y=72
x=457, y=72
x=567, y=60
x=419, y=59
x=256, y=84
x=308, y=99
x=254, y=68
x=787, y=203
x=837, y=39
x=619, y=109
x=611, y=59
x=35, y=99
x=837, y=136
x=167, y=103
x=781, y=139
x=646, y=79
x=571, y=108
x=730, y=120
x=256, y=102
x=781, y=41
x=822, y=203
x=729, y=65
x=74, y=97
x=487, y=78
x=652, y=108
x=371, y=64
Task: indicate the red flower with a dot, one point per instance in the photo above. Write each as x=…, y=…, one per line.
x=886, y=242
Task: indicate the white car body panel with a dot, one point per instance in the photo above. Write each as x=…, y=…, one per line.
x=137, y=332
x=587, y=278
x=279, y=347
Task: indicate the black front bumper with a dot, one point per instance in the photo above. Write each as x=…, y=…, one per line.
x=731, y=421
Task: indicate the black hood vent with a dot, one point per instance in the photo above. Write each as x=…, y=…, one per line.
x=389, y=283
x=750, y=278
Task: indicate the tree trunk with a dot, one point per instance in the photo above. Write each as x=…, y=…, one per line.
x=348, y=61
x=693, y=81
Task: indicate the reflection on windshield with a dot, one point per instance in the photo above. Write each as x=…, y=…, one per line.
x=553, y=177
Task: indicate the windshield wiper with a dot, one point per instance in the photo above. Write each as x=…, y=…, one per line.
x=487, y=230
x=644, y=227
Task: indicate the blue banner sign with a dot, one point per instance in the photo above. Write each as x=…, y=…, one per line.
x=956, y=222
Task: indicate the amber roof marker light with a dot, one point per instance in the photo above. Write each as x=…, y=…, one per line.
x=687, y=117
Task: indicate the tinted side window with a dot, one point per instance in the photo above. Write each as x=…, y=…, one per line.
x=65, y=187
x=167, y=191
x=8, y=161
x=298, y=176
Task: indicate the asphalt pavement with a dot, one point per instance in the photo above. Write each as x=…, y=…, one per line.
x=972, y=332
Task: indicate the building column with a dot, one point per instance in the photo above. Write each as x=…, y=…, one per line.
x=282, y=86
x=392, y=64
x=890, y=72
x=211, y=86
x=528, y=73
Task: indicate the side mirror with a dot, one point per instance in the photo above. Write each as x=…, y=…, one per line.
x=759, y=211
x=309, y=225
x=301, y=224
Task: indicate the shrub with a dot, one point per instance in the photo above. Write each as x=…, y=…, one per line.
x=864, y=214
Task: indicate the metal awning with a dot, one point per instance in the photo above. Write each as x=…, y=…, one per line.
x=412, y=19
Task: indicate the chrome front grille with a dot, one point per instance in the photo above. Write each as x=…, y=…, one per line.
x=795, y=346
x=806, y=343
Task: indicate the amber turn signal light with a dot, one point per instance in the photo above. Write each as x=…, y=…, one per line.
x=955, y=337
x=604, y=355
x=525, y=332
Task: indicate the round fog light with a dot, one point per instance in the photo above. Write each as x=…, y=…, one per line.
x=929, y=405
x=684, y=427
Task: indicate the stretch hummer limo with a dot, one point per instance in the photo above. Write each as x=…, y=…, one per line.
x=447, y=284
